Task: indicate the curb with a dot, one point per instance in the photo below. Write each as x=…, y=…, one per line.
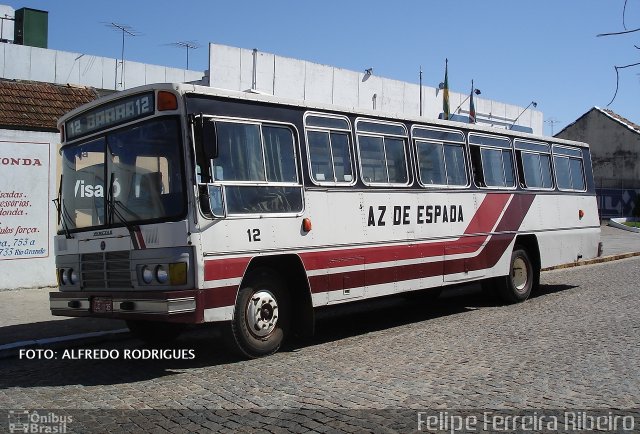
x=13, y=349
x=599, y=260
x=618, y=223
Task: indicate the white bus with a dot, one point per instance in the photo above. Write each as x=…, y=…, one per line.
x=184, y=204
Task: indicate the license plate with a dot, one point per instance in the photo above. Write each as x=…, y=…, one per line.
x=101, y=304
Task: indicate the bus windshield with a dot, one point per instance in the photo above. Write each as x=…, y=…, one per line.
x=127, y=176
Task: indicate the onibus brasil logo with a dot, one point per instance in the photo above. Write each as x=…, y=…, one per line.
x=27, y=421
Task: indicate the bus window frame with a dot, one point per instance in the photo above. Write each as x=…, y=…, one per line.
x=462, y=144
x=519, y=162
x=569, y=156
x=493, y=147
x=295, y=134
x=406, y=151
x=329, y=130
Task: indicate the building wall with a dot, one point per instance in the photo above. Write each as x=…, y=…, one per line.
x=615, y=154
x=233, y=68
x=615, y=149
x=27, y=215
x=20, y=62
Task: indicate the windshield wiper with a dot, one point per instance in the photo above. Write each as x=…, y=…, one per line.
x=62, y=211
x=113, y=210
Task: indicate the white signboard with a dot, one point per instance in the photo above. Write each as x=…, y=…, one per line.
x=24, y=200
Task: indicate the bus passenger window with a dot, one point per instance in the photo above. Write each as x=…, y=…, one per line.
x=382, y=151
x=492, y=159
x=534, y=164
x=329, y=149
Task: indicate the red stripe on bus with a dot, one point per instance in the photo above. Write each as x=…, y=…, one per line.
x=218, y=269
x=482, y=222
x=488, y=213
x=487, y=258
x=219, y=297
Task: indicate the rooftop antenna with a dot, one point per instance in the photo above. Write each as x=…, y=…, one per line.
x=187, y=45
x=552, y=122
x=126, y=31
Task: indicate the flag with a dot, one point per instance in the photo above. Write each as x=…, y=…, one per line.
x=472, y=107
x=445, y=92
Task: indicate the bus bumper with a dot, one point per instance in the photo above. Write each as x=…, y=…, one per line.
x=171, y=306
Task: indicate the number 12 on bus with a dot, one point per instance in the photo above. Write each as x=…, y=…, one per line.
x=250, y=211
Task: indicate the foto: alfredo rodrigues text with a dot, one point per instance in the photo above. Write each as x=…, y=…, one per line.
x=107, y=354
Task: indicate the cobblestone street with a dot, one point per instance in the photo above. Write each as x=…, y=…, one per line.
x=573, y=345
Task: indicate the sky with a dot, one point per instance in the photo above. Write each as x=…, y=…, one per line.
x=516, y=51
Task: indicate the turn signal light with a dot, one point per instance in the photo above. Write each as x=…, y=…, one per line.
x=167, y=101
x=306, y=224
x=580, y=214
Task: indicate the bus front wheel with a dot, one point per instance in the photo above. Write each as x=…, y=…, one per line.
x=517, y=285
x=261, y=318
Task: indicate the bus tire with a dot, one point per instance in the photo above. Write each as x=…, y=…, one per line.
x=155, y=332
x=261, y=316
x=523, y=274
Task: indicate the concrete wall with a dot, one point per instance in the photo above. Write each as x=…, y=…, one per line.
x=21, y=62
x=233, y=68
x=27, y=215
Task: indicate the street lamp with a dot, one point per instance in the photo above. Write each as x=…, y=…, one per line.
x=532, y=103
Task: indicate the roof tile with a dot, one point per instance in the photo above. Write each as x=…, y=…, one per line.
x=39, y=105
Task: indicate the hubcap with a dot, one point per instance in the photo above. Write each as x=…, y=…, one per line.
x=262, y=313
x=520, y=274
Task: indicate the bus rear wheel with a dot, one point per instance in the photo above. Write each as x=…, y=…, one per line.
x=523, y=275
x=261, y=316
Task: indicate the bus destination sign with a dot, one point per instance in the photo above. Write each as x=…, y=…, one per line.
x=109, y=115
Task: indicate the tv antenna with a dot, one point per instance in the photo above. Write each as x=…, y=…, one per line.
x=552, y=122
x=187, y=45
x=126, y=31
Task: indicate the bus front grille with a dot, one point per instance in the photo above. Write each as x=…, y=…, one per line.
x=106, y=270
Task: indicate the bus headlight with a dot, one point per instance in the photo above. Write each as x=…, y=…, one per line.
x=73, y=276
x=62, y=276
x=161, y=274
x=147, y=274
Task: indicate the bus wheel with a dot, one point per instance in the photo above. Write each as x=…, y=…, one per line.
x=516, y=286
x=154, y=332
x=261, y=322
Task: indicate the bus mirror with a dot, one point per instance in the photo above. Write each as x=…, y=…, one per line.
x=206, y=131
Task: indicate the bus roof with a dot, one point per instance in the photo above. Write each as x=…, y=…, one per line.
x=186, y=88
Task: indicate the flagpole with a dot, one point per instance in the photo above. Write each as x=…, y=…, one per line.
x=445, y=93
x=420, y=90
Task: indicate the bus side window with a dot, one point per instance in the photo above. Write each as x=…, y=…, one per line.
x=329, y=149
